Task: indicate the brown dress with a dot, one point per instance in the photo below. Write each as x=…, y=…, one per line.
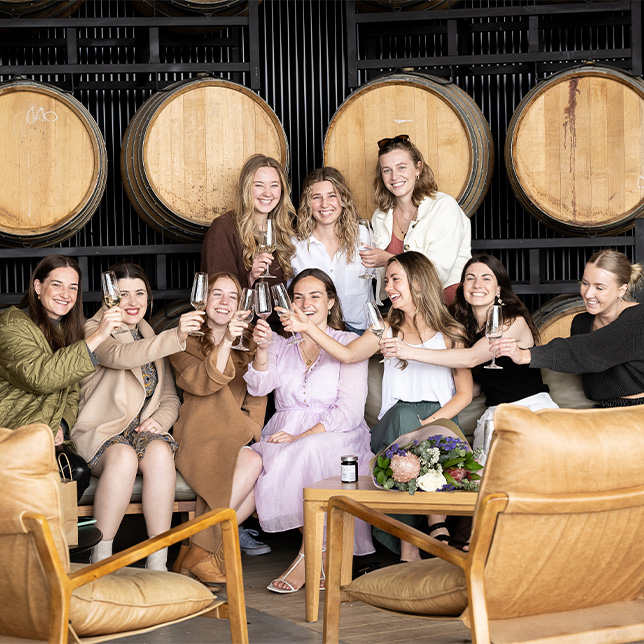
x=217, y=418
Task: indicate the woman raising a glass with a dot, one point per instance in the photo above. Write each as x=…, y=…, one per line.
x=127, y=408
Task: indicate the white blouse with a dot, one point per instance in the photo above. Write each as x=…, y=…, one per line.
x=419, y=381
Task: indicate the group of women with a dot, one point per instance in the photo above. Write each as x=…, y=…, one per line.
x=110, y=398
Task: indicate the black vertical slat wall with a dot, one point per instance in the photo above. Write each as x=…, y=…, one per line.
x=304, y=77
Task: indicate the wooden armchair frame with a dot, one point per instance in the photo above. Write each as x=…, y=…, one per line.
x=623, y=622
x=62, y=585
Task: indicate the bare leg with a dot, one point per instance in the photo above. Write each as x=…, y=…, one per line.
x=296, y=577
x=159, y=480
x=116, y=471
x=242, y=498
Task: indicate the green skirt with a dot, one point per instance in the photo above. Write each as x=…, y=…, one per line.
x=400, y=419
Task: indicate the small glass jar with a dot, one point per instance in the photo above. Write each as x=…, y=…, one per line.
x=349, y=469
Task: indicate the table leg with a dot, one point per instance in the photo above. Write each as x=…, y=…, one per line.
x=346, y=572
x=313, y=529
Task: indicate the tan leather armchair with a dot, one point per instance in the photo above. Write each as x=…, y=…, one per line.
x=557, y=549
x=43, y=597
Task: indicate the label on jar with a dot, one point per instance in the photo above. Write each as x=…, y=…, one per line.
x=349, y=473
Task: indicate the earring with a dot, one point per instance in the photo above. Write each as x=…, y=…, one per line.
x=417, y=177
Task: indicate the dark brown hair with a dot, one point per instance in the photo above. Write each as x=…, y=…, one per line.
x=132, y=271
x=335, y=320
x=70, y=329
x=513, y=307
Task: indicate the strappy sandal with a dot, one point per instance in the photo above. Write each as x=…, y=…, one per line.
x=439, y=526
x=291, y=588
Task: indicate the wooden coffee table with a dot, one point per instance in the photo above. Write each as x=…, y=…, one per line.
x=316, y=498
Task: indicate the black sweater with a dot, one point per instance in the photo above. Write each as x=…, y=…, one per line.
x=610, y=360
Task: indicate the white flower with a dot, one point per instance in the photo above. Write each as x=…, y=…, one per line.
x=431, y=481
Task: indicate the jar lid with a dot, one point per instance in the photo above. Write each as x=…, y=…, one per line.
x=348, y=459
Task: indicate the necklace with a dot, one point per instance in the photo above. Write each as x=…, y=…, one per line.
x=398, y=217
x=309, y=361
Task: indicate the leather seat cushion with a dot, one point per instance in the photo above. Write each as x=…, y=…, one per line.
x=133, y=598
x=427, y=587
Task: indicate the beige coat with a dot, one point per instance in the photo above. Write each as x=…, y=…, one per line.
x=114, y=394
x=217, y=418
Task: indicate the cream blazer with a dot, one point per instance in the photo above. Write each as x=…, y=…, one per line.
x=114, y=394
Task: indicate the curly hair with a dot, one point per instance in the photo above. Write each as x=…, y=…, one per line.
x=335, y=319
x=70, y=329
x=427, y=295
x=282, y=215
x=241, y=358
x=425, y=184
x=513, y=307
x=346, y=226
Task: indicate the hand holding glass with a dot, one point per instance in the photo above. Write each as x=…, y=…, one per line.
x=267, y=245
x=111, y=294
x=375, y=323
x=263, y=306
x=199, y=295
x=283, y=301
x=494, y=330
x=369, y=273
x=245, y=311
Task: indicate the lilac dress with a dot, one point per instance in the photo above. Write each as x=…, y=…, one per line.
x=328, y=392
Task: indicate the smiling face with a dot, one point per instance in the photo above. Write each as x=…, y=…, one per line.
x=601, y=291
x=266, y=190
x=309, y=295
x=222, y=303
x=480, y=285
x=58, y=291
x=134, y=300
x=325, y=203
x=397, y=288
x=398, y=172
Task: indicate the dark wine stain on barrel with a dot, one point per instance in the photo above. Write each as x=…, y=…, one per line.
x=570, y=126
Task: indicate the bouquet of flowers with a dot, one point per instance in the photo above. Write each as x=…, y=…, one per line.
x=423, y=460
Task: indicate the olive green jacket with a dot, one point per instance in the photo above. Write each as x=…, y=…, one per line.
x=36, y=384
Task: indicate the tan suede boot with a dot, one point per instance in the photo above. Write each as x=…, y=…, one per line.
x=202, y=564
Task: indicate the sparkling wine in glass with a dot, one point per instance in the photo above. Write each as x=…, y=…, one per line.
x=369, y=273
x=283, y=302
x=494, y=330
x=199, y=295
x=245, y=311
x=267, y=245
x=375, y=323
x=263, y=305
x=111, y=294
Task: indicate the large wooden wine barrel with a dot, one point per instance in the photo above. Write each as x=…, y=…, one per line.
x=574, y=152
x=554, y=318
x=441, y=119
x=53, y=164
x=168, y=316
x=184, y=148
x=40, y=8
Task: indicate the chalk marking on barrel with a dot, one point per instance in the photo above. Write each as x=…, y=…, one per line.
x=640, y=181
x=36, y=113
x=403, y=120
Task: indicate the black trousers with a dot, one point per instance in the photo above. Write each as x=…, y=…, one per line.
x=80, y=472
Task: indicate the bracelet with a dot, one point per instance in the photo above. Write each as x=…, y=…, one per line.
x=261, y=364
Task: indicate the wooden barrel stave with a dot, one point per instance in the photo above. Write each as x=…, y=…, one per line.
x=184, y=148
x=441, y=119
x=554, y=318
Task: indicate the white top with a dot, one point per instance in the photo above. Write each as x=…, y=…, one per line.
x=441, y=232
x=418, y=382
x=353, y=291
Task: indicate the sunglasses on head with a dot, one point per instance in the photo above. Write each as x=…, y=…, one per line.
x=400, y=138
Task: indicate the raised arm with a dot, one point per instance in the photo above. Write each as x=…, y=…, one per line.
x=200, y=376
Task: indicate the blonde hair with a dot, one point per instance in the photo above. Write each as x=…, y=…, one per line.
x=425, y=184
x=427, y=295
x=282, y=215
x=618, y=265
x=346, y=226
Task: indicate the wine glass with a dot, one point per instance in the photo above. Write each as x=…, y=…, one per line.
x=245, y=311
x=369, y=273
x=375, y=323
x=263, y=306
x=283, y=301
x=267, y=245
x=494, y=330
x=199, y=295
x=111, y=294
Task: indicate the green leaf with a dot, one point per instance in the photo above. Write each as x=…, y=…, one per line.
x=383, y=462
x=450, y=479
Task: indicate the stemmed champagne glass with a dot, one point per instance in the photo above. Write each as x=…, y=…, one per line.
x=375, y=323
x=267, y=245
x=494, y=330
x=111, y=294
x=369, y=273
x=283, y=301
x=199, y=295
x=245, y=311
x=263, y=306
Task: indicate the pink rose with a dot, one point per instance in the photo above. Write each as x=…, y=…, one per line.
x=458, y=474
x=404, y=467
